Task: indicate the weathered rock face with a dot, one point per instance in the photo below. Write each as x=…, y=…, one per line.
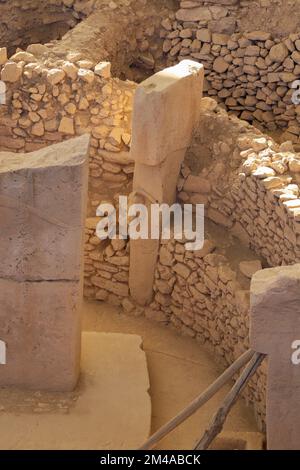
x=43, y=203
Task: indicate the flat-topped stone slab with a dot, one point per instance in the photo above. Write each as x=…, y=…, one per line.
x=110, y=409
x=43, y=197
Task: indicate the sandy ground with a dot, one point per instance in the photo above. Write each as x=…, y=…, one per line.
x=179, y=369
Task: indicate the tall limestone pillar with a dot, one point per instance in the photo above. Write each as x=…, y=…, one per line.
x=166, y=109
x=42, y=212
x=275, y=331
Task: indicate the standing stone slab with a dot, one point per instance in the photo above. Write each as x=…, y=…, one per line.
x=274, y=327
x=166, y=110
x=43, y=198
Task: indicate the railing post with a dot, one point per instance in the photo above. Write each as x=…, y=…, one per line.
x=166, y=109
x=275, y=330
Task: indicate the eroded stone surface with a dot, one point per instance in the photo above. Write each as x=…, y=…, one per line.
x=42, y=207
x=43, y=199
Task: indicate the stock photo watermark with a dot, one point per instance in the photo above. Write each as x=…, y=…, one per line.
x=296, y=93
x=158, y=221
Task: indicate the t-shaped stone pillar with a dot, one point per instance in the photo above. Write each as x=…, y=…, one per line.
x=166, y=109
x=42, y=212
x=274, y=328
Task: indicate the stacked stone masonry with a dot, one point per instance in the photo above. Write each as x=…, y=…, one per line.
x=200, y=295
x=250, y=72
x=248, y=183
x=49, y=100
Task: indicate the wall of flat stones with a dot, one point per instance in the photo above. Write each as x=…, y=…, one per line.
x=248, y=183
x=200, y=295
x=49, y=100
x=106, y=267
x=250, y=72
x=250, y=187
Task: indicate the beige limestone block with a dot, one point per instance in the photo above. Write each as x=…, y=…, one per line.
x=40, y=324
x=274, y=327
x=42, y=210
x=166, y=110
x=158, y=127
x=66, y=126
x=43, y=202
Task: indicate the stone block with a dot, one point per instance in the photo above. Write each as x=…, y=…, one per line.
x=43, y=203
x=40, y=325
x=43, y=199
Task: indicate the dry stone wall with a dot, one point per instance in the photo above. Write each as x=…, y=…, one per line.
x=49, y=100
x=248, y=183
x=250, y=72
x=201, y=295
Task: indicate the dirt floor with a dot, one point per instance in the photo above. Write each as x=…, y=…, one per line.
x=179, y=369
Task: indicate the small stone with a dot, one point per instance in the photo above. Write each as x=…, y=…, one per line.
x=38, y=129
x=278, y=53
x=11, y=72
x=37, y=49
x=103, y=69
x=165, y=257
x=67, y=126
x=70, y=108
x=70, y=70
x=259, y=144
x=23, y=56
x=203, y=35
x=55, y=76
x=220, y=65
x=264, y=172
x=85, y=64
x=86, y=75
x=258, y=36
x=167, y=24
x=194, y=14
x=118, y=244
x=183, y=270
x=294, y=165
x=197, y=184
